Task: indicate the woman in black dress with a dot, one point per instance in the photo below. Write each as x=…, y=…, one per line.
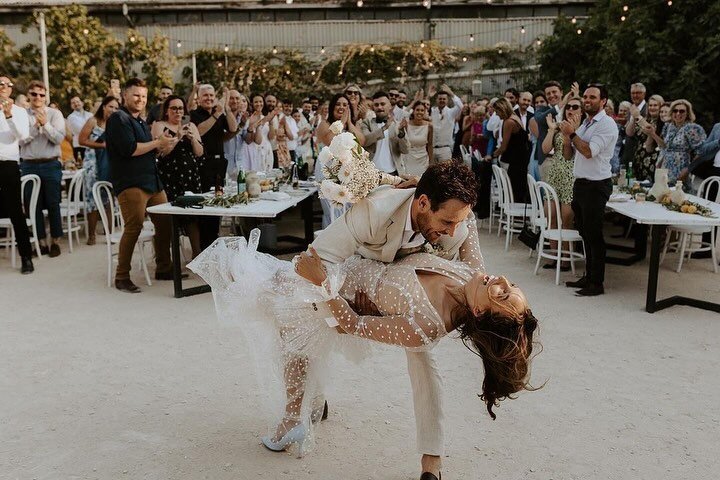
x=514, y=150
x=179, y=169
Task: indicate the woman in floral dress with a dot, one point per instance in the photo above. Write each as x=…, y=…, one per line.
x=644, y=159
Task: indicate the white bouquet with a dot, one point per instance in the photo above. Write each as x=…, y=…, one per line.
x=350, y=174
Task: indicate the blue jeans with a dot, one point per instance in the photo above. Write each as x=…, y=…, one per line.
x=50, y=174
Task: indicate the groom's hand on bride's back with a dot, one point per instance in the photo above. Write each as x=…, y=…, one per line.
x=410, y=182
x=362, y=305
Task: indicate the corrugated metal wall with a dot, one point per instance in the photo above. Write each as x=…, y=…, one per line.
x=309, y=36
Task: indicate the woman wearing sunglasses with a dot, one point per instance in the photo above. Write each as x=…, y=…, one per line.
x=560, y=174
x=680, y=138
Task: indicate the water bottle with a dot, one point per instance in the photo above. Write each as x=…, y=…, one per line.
x=295, y=177
x=629, y=174
x=241, y=186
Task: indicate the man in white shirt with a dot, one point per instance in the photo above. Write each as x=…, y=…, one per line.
x=591, y=145
x=75, y=122
x=443, y=120
x=292, y=125
x=379, y=135
x=14, y=126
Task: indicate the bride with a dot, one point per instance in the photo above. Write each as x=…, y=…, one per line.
x=287, y=311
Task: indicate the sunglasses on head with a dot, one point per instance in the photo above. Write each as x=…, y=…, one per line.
x=678, y=110
x=573, y=107
x=6, y=84
x=36, y=94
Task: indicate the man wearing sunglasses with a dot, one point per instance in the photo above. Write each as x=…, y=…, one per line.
x=40, y=154
x=14, y=126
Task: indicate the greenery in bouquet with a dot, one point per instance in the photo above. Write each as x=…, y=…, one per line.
x=227, y=201
x=350, y=174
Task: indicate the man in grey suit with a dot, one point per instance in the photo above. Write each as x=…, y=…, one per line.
x=380, y=142
x=391, y=223
x=554, y=95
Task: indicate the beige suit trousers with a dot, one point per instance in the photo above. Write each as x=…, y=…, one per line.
x=427, y=386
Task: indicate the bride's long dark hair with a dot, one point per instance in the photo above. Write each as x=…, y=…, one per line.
x=505, y=346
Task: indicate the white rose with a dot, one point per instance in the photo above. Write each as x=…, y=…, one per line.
x=336, y=127
x=325, y=156
x=346, y=141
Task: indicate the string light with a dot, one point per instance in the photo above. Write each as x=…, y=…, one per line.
x=220, y=64
x=625, y=8
x=322, y=50
x=622, y=19
x=464, y=59
x=426, y=3
x=369, y=70
x=669, y=3
x=312, y=73
x=372, y=48
x=242, y=68
x=573, y=21
x=340, y=73
x=472, y=37
x=430, y=64
x=398, y=68
x=132, y=38
x=422, y=44
x=264, y=70
x=579, y=31
x=179, y=44
x=500, y=51
x=359, y=3
x=274, y=50
x=539, y=42
x=289, y=2
x=86, y=31
x=522, y=29
x=227, y=49
x=287, y=72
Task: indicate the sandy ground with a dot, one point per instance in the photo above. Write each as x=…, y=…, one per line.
x=97, y=384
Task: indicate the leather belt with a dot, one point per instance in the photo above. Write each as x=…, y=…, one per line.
x=441, y=146
x=39, y=160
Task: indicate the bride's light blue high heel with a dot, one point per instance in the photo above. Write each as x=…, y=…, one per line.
x=294, y=435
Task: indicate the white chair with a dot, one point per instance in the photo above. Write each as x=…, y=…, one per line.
x=690, y=238
x=114, y=229
x=30, y=206
x=512, y=215
x=74, y=205
x=559, y=234
x=467, y=159
x=535, y=219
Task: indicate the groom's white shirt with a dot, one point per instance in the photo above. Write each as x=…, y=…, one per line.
x=411, y=238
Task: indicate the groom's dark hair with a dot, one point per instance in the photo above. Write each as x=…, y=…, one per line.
x=445, y=181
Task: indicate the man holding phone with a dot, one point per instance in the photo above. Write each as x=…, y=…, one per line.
x=213, y=119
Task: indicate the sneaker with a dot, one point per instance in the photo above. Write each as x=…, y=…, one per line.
x=127, y=285
x=27, y=265
x=54, y=250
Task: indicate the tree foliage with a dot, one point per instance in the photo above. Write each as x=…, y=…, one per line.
x=672, y=49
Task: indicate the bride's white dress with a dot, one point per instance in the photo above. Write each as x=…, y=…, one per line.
x=283, y=317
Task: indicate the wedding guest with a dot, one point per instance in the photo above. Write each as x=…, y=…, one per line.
x=271, y=112
x=294, y=130
x=96, y=166
x=339, y=110
x=443, y=121
x=155, y=112
x=280, y=133
x=514, y=150
x=553, y=95
x=237, y=149
x=213, y=119
x=261, y=154
x=40, y=154
x=381, y=137
x=14, y=126
x=478, y=141
x=179, y=169
x=620, y=159
x=539, y=102
x=644, y=160
x=415, y=136
x=399, y=111
x=637, y=97
x=665, y=115
x=75, y=122
x=610, y=108
x=512, y=95
x=22, y=101
x=679, y=141
x=591, y=144
x=560, y=174
x=354, y=93
x=136, y=182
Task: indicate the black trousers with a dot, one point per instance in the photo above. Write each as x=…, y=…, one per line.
x=212, y=173
x=588, y=204
x=483, y=174
x=11, y=204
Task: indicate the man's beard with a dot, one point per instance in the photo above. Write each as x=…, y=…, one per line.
x=381, y=118
x=400, y=104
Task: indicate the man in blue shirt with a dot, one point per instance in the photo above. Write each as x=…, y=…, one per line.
x=133, y=172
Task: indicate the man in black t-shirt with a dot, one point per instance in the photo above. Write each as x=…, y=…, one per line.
x=213, y=119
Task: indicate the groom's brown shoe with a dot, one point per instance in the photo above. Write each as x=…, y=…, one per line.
x=430, y=476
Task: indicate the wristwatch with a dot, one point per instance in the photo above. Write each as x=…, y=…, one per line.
x=573, y=135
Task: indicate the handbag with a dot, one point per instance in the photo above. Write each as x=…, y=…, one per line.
x=528, y=235
x=188, y=201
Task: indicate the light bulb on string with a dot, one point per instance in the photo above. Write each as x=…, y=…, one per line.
x=287, y=72
x=227, y=49
x=625, y=8
x=422, y=44
x=359, y=3
x=472, y=37
x=289, y=2
x=573, y=20
x=86, y=31
x=274, y=50
x=622, y=19
x=539, y=42
x=322, y=50
x=312, y=73
x=340, y=73
x=669, y=3
x=430, y=65
x=522, y=29
x=398, y=68
x=264, y=70
x=179, y=44
x=369, y=70
x=579, y=31
x=220, y=64
x=372, y=48
x=132, y=38
x=464, y=59
x=500, y=51
x=426, y=3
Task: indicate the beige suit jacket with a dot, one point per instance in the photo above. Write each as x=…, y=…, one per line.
x=373, y=133
x=373, y=228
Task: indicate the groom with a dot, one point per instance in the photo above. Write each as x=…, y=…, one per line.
x=391, y=223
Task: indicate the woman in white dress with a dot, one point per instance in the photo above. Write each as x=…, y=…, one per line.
x=261, y=159
x=415, y=140
x=412, y=303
